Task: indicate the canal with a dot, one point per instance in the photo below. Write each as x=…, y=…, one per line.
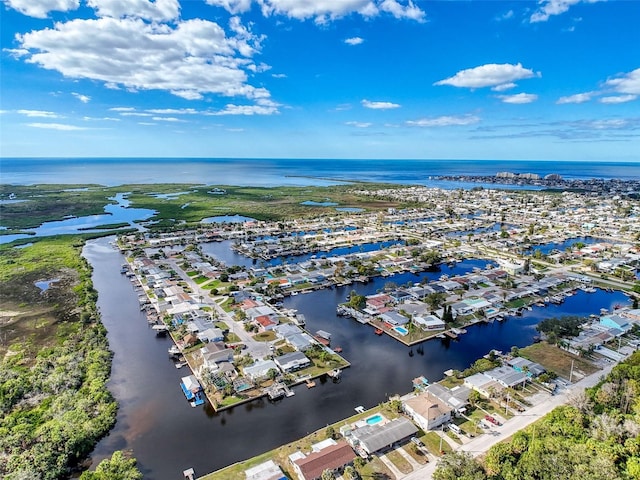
x=167, y=436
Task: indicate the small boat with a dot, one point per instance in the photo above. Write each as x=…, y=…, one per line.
x=378, y=331
x=174, y=350
x=338, y=349
x=311, y=384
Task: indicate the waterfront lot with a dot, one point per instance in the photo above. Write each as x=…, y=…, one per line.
x=556, y=360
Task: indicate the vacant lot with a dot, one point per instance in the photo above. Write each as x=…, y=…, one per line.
x=556, y=360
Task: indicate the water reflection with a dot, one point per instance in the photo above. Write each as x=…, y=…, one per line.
x=167, y=435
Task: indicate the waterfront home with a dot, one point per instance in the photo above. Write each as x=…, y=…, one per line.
x=427, y=410
x=394, y=318
x=531, y=369
x=429, y=322
x=214, y=353
x=335, y=456
x=268, y=470
x=259, y=370
x=293, y=361
x=377, y=303
x=456, y=397
x=371, y=438
x=482, y=384
x=507, y=377
x=615, y=321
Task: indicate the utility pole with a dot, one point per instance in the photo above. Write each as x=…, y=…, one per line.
x=441, y=434
x=571, y=373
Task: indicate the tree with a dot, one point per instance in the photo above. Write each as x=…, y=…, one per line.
x=328, y=475
x=458, y=466
x=330, y=432
x=118, y=467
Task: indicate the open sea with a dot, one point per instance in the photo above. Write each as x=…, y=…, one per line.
x=294, y=172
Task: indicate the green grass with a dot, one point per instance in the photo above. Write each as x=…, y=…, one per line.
x=432, y=442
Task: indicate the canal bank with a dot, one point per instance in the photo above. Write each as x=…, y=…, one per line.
x=167, y=435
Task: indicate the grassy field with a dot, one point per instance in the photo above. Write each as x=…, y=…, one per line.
x=556, y=360
x=55, y=202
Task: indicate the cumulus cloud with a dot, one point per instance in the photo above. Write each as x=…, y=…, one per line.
x=503, y=87
x=81, y=97
x=122, y=109
x=518, y=98
x=279, y=75
x=194, y=58
x=628, y=83
x=173, y=111
x=379, y=105
x=248, y=110
x=618, y=99
x=444, y=121
x=353, y=41
x=577, y=98
x=359, y=124
x=38, y=113
x=409, y=10
x=157, y=11
x=41, y=8
x=490, y=75
x=56, y=126
x=323, y=11
x=549, y=8
x=232, y=6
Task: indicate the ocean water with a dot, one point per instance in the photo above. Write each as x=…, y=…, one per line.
x=280, y=172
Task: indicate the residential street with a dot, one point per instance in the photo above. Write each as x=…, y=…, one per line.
x=482, y=443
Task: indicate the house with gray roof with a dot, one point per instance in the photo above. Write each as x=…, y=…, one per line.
x=372, y=438
x=290, y=362
x=259, y=370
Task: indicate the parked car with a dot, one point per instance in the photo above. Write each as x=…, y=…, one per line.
x=492, y=420
x=417, y=441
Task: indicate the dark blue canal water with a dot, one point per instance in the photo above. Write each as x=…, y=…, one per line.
x=167, y=435
x=222, y=251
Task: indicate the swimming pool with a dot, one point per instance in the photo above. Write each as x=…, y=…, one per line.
x=401, y=330
x=374, y=419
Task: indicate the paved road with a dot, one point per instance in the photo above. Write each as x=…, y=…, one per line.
x=482, y=443
x=254, y=348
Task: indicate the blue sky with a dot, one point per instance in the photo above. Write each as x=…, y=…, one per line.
x=544, y=80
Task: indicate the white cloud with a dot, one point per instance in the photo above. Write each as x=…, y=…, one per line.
x=518, y=98
x=577, y=98
x=167, y=119
x=627, y=83
x=122, y=109
x=379, y=105
x=489, y=75
x=192, y=58
x=503, y=87
x=173, y=111
x=279, y=75
x=147, y=123
x=136, y=114
x=323, y=11
x=550, y=8
x=353, y=41
x=81, y=97
x=157, y=11
x=618, y=99
x=232, y=6
x=444, y=121
x=232, y=109
x=38, y=113
x=56, y=126
x=505, y=16
x=41, y=8
x=359, y=124
x=409, y=10
x=320, y=10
